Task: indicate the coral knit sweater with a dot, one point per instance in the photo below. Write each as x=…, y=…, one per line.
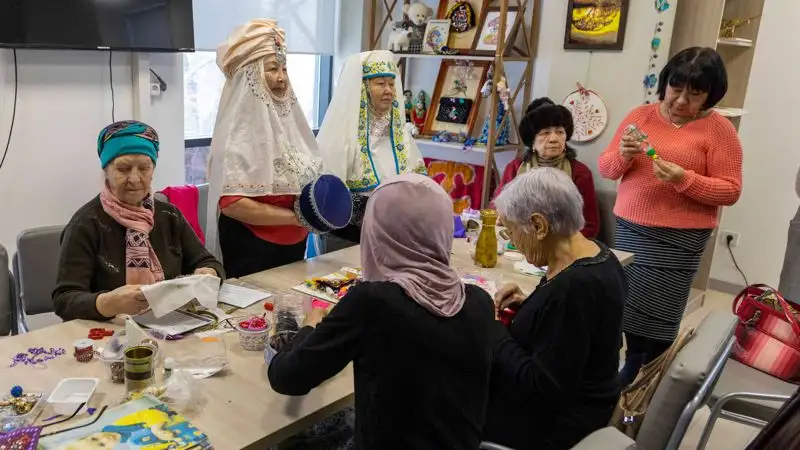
x=710, y=153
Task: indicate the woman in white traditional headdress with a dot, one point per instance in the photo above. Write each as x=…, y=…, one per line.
x=364, y=139
x=262, y=154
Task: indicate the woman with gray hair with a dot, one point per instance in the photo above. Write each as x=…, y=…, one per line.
x=554, y=378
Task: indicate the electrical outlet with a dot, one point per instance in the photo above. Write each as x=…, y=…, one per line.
x=725, y=236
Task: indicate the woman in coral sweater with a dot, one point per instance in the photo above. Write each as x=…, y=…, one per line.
x=668, y=205
x=544, y=130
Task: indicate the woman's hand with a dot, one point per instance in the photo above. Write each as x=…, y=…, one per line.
x=629, y=147
x=667, y=171
x=127, y=299
x=315, y=316
x=206, y=271
x=508, y=295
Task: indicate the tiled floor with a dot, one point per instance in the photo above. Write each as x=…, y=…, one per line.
x=727, y=435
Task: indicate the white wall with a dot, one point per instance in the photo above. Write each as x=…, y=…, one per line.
x=771, y=156
x=64, y=100
x=616, y=76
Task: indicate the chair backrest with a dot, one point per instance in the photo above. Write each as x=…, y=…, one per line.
x=202, y=203
x=160, y=197
x=688, y=383
x=202, y=206
x=608, y=222
x=36, y=268
x=6, y=294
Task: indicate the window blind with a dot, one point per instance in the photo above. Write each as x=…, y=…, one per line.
x=309, y=24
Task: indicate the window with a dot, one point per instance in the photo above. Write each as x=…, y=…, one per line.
x=203, y=81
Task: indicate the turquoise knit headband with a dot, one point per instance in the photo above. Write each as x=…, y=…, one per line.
x=128, y=137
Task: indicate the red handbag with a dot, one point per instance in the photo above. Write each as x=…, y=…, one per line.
x=768, y=333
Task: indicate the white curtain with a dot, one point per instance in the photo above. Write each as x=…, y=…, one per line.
x=309, y=24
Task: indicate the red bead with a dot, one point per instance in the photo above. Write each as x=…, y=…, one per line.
x=269, y=306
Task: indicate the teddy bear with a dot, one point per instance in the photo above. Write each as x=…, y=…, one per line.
x=418, y=15
x=399, y=39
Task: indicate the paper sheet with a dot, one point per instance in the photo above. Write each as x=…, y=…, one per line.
x=241, y=297
x=487, y=285
x=527, y=268
x=173, y=324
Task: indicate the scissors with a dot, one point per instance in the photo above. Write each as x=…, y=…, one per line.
x=98, y=334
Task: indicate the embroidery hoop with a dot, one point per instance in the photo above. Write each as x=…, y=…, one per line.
x=589, y=113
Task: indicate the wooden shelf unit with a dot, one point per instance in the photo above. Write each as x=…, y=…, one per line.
x=381, y=14
x=697, y=23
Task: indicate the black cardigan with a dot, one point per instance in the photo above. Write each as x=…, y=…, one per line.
x=421, y=381
x=555, y=373
x=92, y=259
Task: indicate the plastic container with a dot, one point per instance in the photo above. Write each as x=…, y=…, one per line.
x=253, y=339
x=12, y=422
x=290, y=311
x=70, y=393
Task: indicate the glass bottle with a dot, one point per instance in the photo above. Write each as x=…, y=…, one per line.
x=486, y=248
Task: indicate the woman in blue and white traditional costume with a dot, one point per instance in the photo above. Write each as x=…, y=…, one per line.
x=263, y=156
x=364, y=139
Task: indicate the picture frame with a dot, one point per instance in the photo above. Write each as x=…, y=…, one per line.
x=437, y=32
x=463, y=41
x=595, y=24
x=444, y=81
x=485, y=43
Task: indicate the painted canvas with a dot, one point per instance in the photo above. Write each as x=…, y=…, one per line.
x=595, y=24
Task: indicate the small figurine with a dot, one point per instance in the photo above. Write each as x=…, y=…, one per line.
x=418, y=15
x=486, y=89
x=408, y=96
x=420, y=110
x=400, y=38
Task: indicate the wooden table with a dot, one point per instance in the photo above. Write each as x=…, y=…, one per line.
x=241, y=411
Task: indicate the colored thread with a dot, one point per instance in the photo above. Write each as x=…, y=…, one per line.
x=84, y=350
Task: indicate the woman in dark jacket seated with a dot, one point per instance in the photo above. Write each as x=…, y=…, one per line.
x=418, y=337
x=554, y=377
x=123, y=238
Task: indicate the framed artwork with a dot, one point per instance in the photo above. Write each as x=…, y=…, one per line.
x=456, y=98
x=463, y=41
x=487, y=37
x=436, y=34
x=595, y=24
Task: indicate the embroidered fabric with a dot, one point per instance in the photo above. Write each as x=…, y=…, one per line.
x=282, y=105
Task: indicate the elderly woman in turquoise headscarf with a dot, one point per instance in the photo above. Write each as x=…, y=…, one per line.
x=124, y=238
x=364, y=138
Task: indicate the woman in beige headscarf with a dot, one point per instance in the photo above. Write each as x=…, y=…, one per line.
x=262, y=154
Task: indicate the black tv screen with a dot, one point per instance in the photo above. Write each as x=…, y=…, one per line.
x=133, y=25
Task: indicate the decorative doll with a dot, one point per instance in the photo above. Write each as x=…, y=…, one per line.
x=420, y=110
x=408, y=96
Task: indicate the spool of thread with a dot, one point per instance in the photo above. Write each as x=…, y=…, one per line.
x=138, y=368
x=84, y=350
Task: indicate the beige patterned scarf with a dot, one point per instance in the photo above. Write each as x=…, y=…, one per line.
x=535, y=161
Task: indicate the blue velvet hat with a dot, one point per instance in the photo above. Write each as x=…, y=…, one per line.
x=324, y=205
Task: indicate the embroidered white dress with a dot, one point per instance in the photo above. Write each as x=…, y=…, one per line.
x=262, y=145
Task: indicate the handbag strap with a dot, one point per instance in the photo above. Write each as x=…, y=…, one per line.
x=644, y=384
x=762, y=288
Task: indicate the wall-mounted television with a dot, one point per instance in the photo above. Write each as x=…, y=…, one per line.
x=127, y=25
